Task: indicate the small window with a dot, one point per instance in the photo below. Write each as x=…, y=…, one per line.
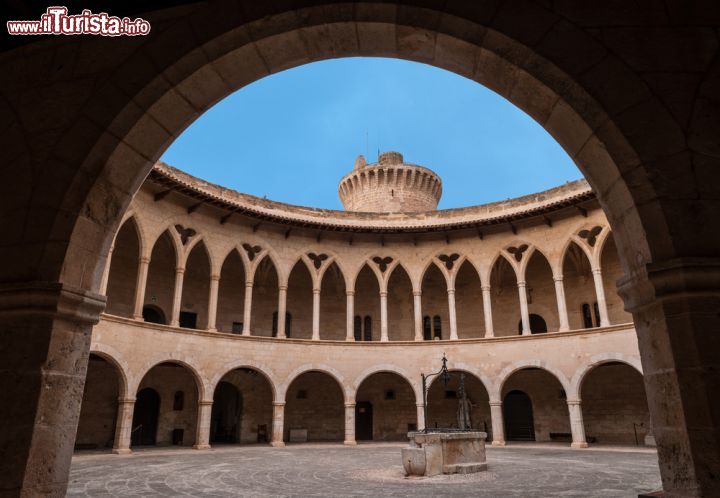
x=302, y=394
x=597, y=314
x=188, y=320
x=412, y=427
x=427, y=330
x=368, y=329
x=450, y=394
x=357, y=328
x=153, y=314
x=437, y=327
x=587, y=316
x=179, y=401
x=390, y=394
x=237, y=327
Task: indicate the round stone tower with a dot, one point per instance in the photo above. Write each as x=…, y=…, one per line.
x=390, y=186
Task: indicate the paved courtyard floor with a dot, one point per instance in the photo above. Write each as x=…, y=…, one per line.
x=334, y=470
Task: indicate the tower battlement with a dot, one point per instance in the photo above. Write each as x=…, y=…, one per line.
x=390, y=186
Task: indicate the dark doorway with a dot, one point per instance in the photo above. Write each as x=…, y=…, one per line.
x=145, y=418
x=153, y=314
x=188, y=319
x=226, y=414
x=537, y=325
x=518, y=415
x=363, y=421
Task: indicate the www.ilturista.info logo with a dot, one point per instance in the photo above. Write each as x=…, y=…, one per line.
x=56, y=21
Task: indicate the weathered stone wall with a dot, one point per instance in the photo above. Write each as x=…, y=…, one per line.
x=167, y=379
x=443, y=403
x=96, y=428
x=257, y=399
x=614, y=405
x=393, y=404
x=315, y=402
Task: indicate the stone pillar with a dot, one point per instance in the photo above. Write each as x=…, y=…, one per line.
x=278, y=424
x=561, y=303
x=350, y=316
x=202, y=438
x=452, y=314
x=487, y=310
x=498, y=425
x=213, y=302
x=600, y=292
x=140, y=284
x=177, y=296
x=282, y=311
x=524, y=313
x=123, y=426
x=316, y=315
x=577, y=425
x=106, y=272
x=350, y=424
x=45, y=329
x=675, y=310
x=421, y=416
x=247, y=310
x=417, y=302
x=383, y=317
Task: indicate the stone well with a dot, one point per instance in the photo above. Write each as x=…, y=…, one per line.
x=433, y=453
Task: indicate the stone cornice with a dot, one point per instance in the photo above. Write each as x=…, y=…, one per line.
x=53, y=299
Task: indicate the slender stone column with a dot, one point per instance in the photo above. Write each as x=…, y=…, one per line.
x=600, y=292
x=350, y=316
x=561, y=303
x=487, y=310
x=123, y=426
x=420, y=416
x=577, y=425
x=350, y=424
x=177, y=296
x=247, y=311
x=106, y=272
x=213, y=302
x=417, y=301
x=202, y=438
x=383, y=317
x=140, y=285
x=282, y=311
x=452, y=314
x=278, y=425
x=524, y=313
x=316, y=315
x=498, y=426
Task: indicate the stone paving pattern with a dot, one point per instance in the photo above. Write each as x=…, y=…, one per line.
x=365, y=470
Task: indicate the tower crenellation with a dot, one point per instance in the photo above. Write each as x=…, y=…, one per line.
x=390, y=186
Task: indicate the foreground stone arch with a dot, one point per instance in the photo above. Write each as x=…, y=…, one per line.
x=650, y=157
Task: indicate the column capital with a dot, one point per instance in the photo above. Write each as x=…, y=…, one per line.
x=597, y=271
x=496, y=403
x=179, y=269
x=52, y=299
x=316, y=290
x=417, y=293
x=574, y=402
x=349, y=293
x=558, y=278
x=451, y=290
x=283, y=287
x=126, y=401
x=420, y=405
x=215, y=277
x=383, y=293
x=205, y=402
x=278, y=403
x=521, y=283
x=144, y=260
x=249, y=283
x=350, y=405
x=485, y=288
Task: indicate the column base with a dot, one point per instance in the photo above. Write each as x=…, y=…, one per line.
x=277, y=444
x=139, y=318
x=202, y=446
x=579, y=445
x=121, y=451
x=350, y=443
x=212, y=329
x=498, y=443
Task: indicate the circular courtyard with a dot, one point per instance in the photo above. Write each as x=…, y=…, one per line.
x=363, y=470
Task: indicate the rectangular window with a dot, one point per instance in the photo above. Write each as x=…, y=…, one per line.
x=188, y=319
x=357, y=329
x=237, y=327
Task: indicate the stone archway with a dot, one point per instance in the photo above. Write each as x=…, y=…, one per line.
x=611, y=100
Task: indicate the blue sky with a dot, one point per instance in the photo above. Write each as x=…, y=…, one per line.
x=293, y=135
